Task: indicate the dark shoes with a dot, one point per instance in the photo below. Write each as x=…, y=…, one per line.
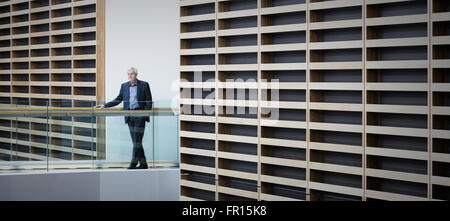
x=141, y=166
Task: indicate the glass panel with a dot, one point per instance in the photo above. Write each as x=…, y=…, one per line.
x=7, y=142
x=118, y=143
x=71, y=135
x=23, y=136
x=117, y=139
x=165, y=124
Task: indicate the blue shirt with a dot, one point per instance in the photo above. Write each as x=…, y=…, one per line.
x=133, y=96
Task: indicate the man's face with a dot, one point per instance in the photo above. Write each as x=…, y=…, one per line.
x=132, y=76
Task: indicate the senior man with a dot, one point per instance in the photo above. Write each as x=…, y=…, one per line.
x=136, y=95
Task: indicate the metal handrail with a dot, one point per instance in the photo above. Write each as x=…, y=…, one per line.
x=77, y=111
x=14, y=166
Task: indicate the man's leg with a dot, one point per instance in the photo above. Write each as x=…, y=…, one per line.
x=132, y=128
x=140, y=154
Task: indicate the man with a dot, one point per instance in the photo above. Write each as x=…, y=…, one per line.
x=136, y=95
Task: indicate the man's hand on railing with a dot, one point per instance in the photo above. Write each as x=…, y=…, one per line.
x=99, y=107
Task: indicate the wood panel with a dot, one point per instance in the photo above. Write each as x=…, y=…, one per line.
x=52, y=52
x=350, y=97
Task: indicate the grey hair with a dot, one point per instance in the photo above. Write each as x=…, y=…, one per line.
x=135, y=70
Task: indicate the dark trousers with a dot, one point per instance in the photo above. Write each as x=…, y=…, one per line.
x=137, y=128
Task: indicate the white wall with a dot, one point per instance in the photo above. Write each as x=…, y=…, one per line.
x=92, y=185
x=143, y=34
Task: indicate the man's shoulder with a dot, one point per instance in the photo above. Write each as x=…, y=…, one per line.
x=139, y=81
x=143, y=82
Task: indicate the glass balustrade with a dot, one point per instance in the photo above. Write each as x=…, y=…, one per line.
x=77, y=135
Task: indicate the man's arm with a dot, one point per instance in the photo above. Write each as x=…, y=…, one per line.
x=114, y=102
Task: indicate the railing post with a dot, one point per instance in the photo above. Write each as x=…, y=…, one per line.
x=92, y=137
x=153, y=138
x=47, y=152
